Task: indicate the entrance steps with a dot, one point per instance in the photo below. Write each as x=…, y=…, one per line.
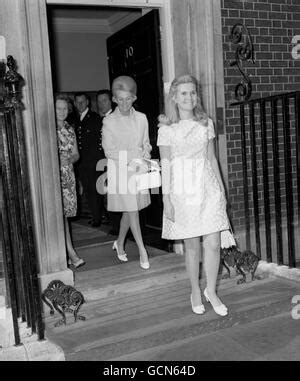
x=133, y=314
x=129, y=277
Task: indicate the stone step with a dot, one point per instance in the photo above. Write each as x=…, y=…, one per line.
x=130, y=311
x=126, y=324
x=128, y=277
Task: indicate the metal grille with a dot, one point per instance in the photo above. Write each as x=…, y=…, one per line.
x=19, y=251
x=271, y=174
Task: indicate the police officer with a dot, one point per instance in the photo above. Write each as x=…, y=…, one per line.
x=105, y=107
x=88, y=126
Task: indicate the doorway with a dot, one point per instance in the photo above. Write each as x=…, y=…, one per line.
x=90, y=46
x=135, y=50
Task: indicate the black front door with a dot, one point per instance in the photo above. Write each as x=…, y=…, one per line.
x=135, y=51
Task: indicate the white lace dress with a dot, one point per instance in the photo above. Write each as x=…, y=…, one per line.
x=198, y=200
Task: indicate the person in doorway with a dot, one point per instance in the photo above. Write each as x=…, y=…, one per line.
x=88, y=125
x=105, y=107
x=193, y=192
x=125, y=138
x=68, y=155
x=104, y=102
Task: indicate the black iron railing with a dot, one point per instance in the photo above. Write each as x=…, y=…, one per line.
x=18, y=239
x=271, y=174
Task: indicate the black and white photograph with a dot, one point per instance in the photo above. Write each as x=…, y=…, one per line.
x=149, y=192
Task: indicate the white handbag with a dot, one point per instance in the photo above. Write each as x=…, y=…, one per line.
x=151, y=178
x=227, y=239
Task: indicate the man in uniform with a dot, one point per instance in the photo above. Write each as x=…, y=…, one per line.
x=88, y=126
x=104, y=104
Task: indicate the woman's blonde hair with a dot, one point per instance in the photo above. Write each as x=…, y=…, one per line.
x=124, y=83
x=172, y=112
x=62, y=97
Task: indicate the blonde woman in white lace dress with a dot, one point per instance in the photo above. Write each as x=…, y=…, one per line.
x=193, y=191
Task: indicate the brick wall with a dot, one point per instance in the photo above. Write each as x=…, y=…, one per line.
x=272, y=25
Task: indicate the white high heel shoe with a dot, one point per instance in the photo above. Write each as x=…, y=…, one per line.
x=220, y=310
x=122, y=257
x=77, y=264
x=199, y=310
x=145, y=265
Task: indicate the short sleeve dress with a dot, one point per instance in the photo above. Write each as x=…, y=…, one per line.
x=66, y=141
x=198, y=200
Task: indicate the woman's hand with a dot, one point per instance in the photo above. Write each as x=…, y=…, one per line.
x=169, y=210
x=146, y=151
x=138, y=165
x=163, y=120
x=146, y=155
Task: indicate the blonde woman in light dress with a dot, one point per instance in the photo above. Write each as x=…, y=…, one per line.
x=193, y=191
x=125, y=138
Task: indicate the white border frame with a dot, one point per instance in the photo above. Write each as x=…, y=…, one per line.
x=167, y=46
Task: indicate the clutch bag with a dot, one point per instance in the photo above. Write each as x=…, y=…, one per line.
x=151, y=178
x=227, y=239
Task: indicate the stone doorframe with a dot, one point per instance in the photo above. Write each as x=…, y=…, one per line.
x=198, y=49
x=164, y=7
x=23, y=23
x=191, y=42
x=191, y=38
